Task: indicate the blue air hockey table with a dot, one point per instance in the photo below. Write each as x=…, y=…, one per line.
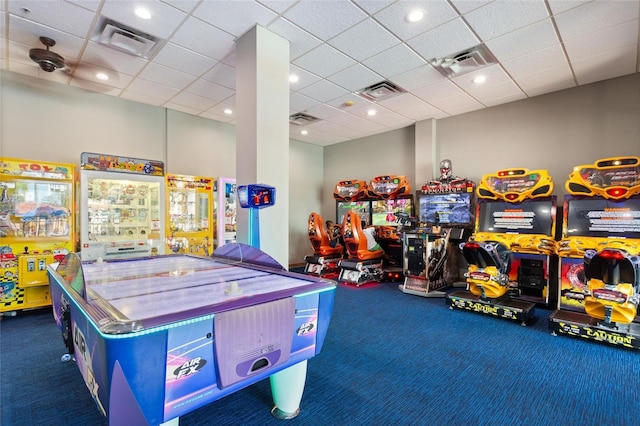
x=155, y=338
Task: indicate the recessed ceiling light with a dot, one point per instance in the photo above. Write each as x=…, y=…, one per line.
x=228, y=111
x=293, y=78
x=479, y=79
x=142, y=13
x=415, y=15
x=371, y=112
x=304, y=132
x=102, y=76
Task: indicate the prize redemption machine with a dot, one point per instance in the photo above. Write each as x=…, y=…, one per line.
x=122, y=206
x=36, y=229
x=600, y=254
x=391, y=200
x=446, y=215
x=224, y=209
x=350, y=196
x=511, y=254
x=189, y=214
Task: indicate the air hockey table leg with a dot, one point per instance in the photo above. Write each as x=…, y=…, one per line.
x=287, y=387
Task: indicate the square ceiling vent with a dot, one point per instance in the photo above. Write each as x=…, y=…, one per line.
x=126, y=39
x=464, y=61
x=302, y=119
x=379, y=91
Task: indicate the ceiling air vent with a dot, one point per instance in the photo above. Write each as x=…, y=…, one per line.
x=125, y=39
x=465, y=61
x=302, y=119
x=379, y=91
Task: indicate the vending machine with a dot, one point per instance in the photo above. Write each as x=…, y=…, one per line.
x=122, y=207
x=225, y=211
x=189, y=214
x=36, y=229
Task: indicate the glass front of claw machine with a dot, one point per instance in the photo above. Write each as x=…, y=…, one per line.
x=36, y=229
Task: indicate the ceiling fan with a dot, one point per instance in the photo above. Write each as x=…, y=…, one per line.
x=49, y=61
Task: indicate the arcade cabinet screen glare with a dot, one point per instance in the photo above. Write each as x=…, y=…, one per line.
x=451, y=210
x=527, y=217
x=597, y=217
x=384, y=211
x=362, y=208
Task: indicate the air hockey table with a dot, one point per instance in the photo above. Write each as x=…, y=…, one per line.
x=155, y=338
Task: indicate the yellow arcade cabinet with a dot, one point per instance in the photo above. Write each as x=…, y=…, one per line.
x=189, y=214
x=511, y=253
x=37, y=214
x=599, y=254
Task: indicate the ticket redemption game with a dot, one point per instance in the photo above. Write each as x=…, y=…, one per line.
x=224, y=209
x=446, y=216
x=37, y=214
x=122, y=207
x=511, y=254
x=600, y=254
x=391, y=198
x=189, y=215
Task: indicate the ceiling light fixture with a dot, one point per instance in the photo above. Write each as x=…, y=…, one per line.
x=142, y=13
x=371, y=112
x=293, y=78
x=479, y=79
x=304, y=132
x=415, y=15
x=228, y=111
x=102, y=76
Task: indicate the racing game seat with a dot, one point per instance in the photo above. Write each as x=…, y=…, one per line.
x=319, y=237
x=613, y=281
x=355, y=239
x=489, y=265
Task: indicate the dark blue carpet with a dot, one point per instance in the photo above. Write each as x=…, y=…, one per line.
x=389, y=358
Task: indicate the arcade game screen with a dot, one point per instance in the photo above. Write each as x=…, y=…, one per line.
x=384, y=211
x=598, y=217
x=362, y=208
x=527, y=217
x=450, y=209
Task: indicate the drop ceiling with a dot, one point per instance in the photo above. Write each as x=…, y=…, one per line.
x=337, y=48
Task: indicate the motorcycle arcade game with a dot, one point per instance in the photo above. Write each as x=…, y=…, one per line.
x=446, y=215
x=510, y=253
x=600, y=254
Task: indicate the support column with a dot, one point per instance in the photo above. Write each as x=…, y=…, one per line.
x=262, y=133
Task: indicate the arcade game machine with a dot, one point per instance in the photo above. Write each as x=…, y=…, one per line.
x=511, y=254
x=446, y=216
x=600, y=254
x=351, y=195
x=224, y=208
x=325, y=258
x=37, y=214
x=390, y=199
x=189, y=214
x=122, y=205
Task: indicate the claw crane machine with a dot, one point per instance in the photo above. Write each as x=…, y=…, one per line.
x=225, y=210
x=189, y=214
x=122, y=207
x=36, y=229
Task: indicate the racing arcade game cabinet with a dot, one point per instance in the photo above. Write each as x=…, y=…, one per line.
x=600, y=254
x=510, y=253
x=446, y=215
x=391, y=198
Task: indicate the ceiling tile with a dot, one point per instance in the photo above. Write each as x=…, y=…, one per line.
x=373, y=6
x=166, y=76
x=234, y=17
x=221, y=74
x=323, y=91
x=412, y=107
x=305, y=78
x=277, y=6
x=324, y=61
x=164, y=21
x=524, y=41
x=299, y=102
x=323, y=111
x=465, y=6
x=610, y=38
x=394, y=61
x=209, y=90
x=447, y=39
x=364, y=40
x=205, y=39
x=300, y=41
x=103, y=56
x=503, y=16
x=393, y=17
x=608, y=65
x=325, y=19
x=548, y=58
x=546, y=80
x=63, y=16
x=191, y=100
x=181, y=59
x=354, y=78
x=143, y=99
x=594, y=16
x=419, y=77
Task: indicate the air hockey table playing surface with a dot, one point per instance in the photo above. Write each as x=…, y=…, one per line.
x=155, y=338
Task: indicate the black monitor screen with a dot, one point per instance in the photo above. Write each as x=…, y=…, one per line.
x=362, y=208
x=598, y=217
x=454, y=209
x=527, y=217
x=384, y=211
